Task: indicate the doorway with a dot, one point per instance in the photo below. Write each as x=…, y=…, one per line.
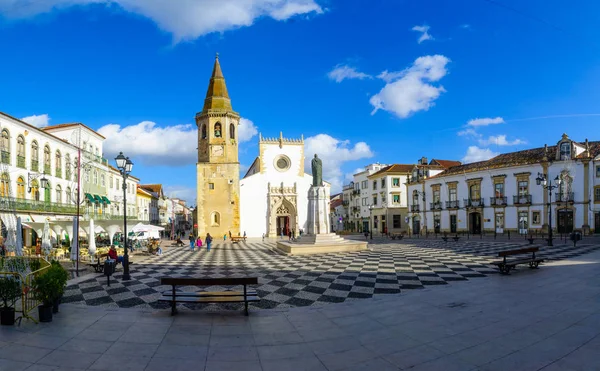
x=283, y=225
x=565, y=221
x=416, y=225
x=475, y=223
x=453, y=224
x=597, y=223
x=437, y=223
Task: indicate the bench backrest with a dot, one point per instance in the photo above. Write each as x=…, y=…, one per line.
x=226, y=281
x=518, y=251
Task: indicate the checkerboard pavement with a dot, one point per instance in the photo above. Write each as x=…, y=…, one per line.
x=288, y=281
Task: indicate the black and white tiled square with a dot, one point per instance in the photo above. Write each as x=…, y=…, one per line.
x=286, y=281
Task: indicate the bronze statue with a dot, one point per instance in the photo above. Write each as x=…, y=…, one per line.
x=317, y=171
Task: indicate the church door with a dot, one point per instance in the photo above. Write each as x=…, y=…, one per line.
x=283, y=225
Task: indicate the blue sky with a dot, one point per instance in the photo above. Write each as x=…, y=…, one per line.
x=137, y=70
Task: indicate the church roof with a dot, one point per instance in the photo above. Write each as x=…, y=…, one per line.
x=217, y=97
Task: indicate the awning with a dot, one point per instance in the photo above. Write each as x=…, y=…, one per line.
x=25, y=217
x=25, y=226
x=90, y=197
x=98, y=199
x=105, y=200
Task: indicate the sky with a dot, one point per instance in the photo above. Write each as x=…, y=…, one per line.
x=364, y=81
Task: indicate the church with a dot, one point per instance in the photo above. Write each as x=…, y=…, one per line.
x=271, y=199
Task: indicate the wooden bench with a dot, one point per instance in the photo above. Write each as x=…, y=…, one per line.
x=506, y=265
x=99, y=264
x=398, y=236
x=237, y=239
x=175, y=296
x=178, y=243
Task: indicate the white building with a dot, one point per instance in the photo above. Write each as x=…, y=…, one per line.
x=115, y=194
x=361, y=198
x=501, y=194
x=337, y=213
x=274, y=191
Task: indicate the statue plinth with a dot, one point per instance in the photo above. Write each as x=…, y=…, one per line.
x=318, y=210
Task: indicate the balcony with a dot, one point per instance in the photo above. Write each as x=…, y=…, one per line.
x=35, y=165
x=435, y=205
x=345, y=203
x=5, y=157
x=90, y=156
x=565, y=197
x=498, y=201
x=356, y=209
x=356, y=192
x=20, y=204
x=414, y=208
x=474, y=202
x=522, y=200
x=21, y=161
x=452, y=204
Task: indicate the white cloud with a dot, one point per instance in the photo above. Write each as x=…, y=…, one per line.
x=246, y=130
x=182, y=192
x=37, y=120
x=475, y=154
x=409, y=91
x=469, y=132
x=424, y=30
x=185, y=19
x=500, y=140
x=350, y=175
x=343, y=72
x=334, y=153
x=485, y=121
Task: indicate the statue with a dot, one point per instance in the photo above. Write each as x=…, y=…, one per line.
x=317, y=171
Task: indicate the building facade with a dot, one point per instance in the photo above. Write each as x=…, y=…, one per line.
x=502, y=195
x=361, y=198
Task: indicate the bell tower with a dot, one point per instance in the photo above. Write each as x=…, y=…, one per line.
x=218, y=167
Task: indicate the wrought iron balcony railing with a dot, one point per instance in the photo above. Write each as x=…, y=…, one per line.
x=435, y=205
x=474, y=202
x=522, y=199
x=414, y=208
x=565, y=197
x=498, y=201
x=21, y=161
x=21, y=204
x=452, y=204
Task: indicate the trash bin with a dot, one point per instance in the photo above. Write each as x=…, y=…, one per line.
x=109, y=267
x=576, y=236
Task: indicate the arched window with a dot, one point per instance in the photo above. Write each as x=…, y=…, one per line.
x=67, y=167
x=68, y=195
x=47, y=161
x=21, y=151
x=35, y=190
x=86, y=176
x=218, y=130
x=75, y=169
x=203, y=131
x=58, y=163
x=35, y=155
x=58, y=194
x=95, y=176
x=21, y=187
x=215, y=219
x=4, y=185
x=102, y=181
x=232, y=131
x=5, y=147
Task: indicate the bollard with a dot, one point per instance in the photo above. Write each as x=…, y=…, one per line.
x=509, y=235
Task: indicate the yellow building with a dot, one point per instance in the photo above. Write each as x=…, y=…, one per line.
x=144, y=200
x=218, y=167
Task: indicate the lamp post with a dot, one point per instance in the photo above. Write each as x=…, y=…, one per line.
x=371, y=207
x=124, y=165
x=542, y=179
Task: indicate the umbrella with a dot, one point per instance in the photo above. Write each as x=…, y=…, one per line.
x=92, y=239
x=75, y=241
x=19, y=245
x=46, y=244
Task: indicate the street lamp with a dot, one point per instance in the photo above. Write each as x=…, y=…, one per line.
x=31, y=177
x=371, y=207
x=542, y=179
x=124, y=165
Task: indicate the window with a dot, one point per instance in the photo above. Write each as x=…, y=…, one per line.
x=231, y=131
x=68, y=167
x=203, y=131
x=35, y=189
x=395, y=199
x=598, y=171
x=523, y=222
x=535, y=217
x=47, y=159
x=597, y=194
x=111, y=181
x=475, y=192
x=102, y=181
x=218, y=130
x=59, y=194
x=68, y=195
x=499, y=189
x=500, y=222
x=415, y=198
x=374, y=185
x=374, y=200
x=95, y=176
x=396, y=221
x=395, y=182
x=211, y=185
x=375, y=222
x=21, y=187
x=4, y=185
x=87, y=176
x=58, y=165
x=383, y=183
x=215, y=218
x=565, y=151
x=523, y=187
x=364, y=201
x=364, y=184
x=436, y=195
x=21, y=151
x=452, y=194
x=35, y=155
x=5, y=147
x=282, y=163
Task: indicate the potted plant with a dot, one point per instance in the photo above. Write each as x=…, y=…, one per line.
x=47, y=288
x=62, y=276
x=10, y=291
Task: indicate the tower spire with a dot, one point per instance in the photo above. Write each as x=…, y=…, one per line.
x=217, y=97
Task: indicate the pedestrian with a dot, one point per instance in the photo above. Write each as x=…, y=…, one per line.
x=225, y=237
x=199, y=243
x=229, y=234
x=263, y=237
x=244, y=234
x=208, y=240
x=289, y=235
x=192, y=241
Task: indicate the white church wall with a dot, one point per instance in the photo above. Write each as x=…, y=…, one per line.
x=253, y=206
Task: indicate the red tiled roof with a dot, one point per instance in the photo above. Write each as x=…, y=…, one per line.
x=395, y=168
x=152, y=187
x=446, y=163
x=335, y=203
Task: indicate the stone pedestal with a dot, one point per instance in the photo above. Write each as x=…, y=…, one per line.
x=318, y=210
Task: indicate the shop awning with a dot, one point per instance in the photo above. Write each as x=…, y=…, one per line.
x=98, y=199
x=105, y=200
x=90, y=197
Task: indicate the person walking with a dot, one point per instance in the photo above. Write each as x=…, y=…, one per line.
x=208, y=240
x=263, y=237
x=192, y=241
x=199, y=243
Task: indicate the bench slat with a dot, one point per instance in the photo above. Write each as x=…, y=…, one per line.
x=208, y=293
x=518, y=251
x=233, y=281
x=518, y=261
x=212, y=299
